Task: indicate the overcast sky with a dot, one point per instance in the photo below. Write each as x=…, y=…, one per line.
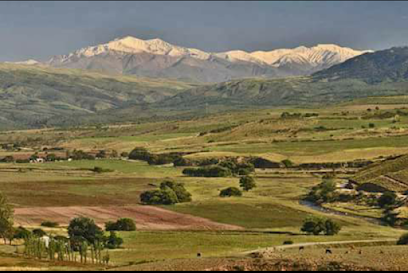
x=40, y=30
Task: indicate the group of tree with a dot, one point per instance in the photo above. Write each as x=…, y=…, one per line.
x=169, y=193
x=153, y=159
x=324, y=192
x=223, y=169
x=210, y=171
x=318, y=225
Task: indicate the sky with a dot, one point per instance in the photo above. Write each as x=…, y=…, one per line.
x=40, y=30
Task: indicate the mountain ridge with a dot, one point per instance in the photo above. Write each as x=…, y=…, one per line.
x=157, y=58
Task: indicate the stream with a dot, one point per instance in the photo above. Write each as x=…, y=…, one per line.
x=339, y=213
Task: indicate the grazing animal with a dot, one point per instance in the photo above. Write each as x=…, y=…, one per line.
x=360, y=252
x=302, y=248
x=347, y=252
x=198, y=255
x=328, y=251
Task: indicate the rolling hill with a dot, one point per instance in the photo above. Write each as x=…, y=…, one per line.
x=389, y=175
x=32, y=95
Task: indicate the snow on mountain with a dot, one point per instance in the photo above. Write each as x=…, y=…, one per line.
x=157, y=58
x=131, y=45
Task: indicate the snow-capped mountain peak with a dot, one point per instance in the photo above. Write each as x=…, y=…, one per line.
x=158, y=58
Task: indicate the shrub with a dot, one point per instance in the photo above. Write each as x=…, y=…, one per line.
x=287, y=163
x=39, y=233
x=113, y=241
x=231, y=192
x=387, y=199
x=139, y=154
x=247, y=183
x=101, y=170
x=214, y=171
x=288, y=243
x=323, y=193
x=21, y=233
x=164, y=196
x=183, y=195
x=50, y=224
x=124, y=224
x=403, y=240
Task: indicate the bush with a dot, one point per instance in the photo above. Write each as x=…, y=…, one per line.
x=124, y=224
x=39, y=233
x=21, y=233
x=139, y=154
x=403, y=240
x=183, y=195
x=113, y=241
x=387, y=199
x=231, y=192
x=101, y=170
x=215, y=171
x=50, y=224
x=159, y=197
x=288, y=243
x=247, y=183
x=287, y=163
x=170, y=193
x=323, y=193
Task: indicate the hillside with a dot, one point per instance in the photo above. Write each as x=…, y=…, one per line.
x=391, y=174
x=294, y=91
x=158, y=59
x=382, y=66
x=31, y=95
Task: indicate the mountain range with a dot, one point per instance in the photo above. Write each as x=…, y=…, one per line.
x=33, y=95
x=158, y=59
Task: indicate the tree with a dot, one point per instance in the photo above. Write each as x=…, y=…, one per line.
x=124, y=224
x=85, y=229
x=388, y=199
x=332, y=228
x=231, y=192
x=247, y=183
x=6, y=218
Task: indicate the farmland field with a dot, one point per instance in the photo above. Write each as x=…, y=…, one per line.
x=221, y=229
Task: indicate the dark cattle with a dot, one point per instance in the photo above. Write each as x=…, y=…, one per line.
x=198, y=255
x=302, y=248
x=328, y=251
